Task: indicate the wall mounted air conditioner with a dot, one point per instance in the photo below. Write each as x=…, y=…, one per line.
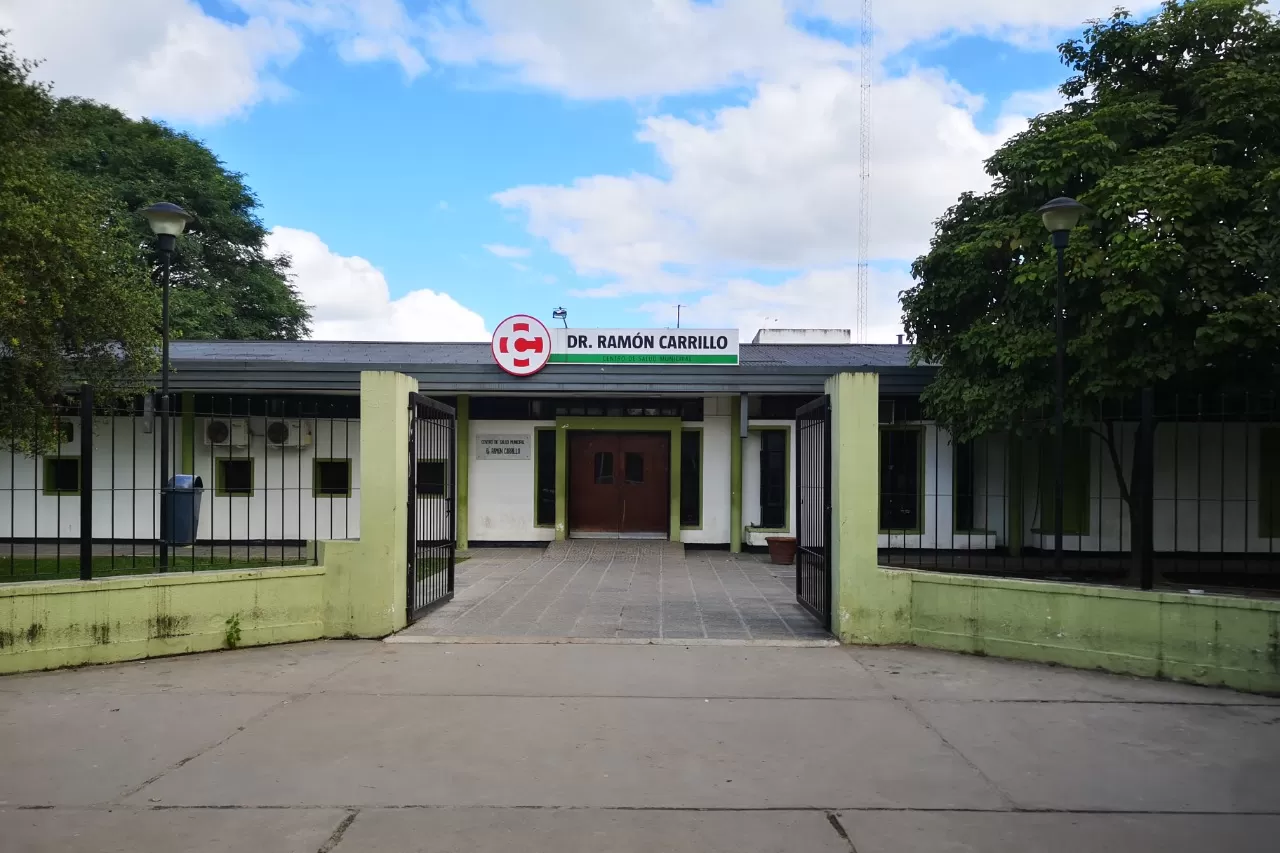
x=288, y=433
x=224, y=432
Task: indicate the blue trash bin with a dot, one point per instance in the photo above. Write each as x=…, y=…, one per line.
x=183, y=498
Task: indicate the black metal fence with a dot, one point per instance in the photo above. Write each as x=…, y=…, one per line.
x=259, y=479
x=813, y=508
x=433, y=477
x=1180, y=492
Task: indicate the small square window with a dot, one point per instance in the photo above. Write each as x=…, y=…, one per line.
x=431, y=478
x=604, y=469
x=332, y=478
x=62, y=475
x=633, y=467
x=233, y=478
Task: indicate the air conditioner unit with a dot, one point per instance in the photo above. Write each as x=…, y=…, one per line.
x=293, y=433
x=219, y=432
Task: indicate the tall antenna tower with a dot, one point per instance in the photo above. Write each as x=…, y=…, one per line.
x=866, y=60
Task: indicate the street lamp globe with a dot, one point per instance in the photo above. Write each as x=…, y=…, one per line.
x=166, y=219
x=1061, y=214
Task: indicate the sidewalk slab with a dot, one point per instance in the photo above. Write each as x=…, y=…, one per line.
x=1120, y=757
x=506, y=751
x=482, y=830
x=82, y=749
x=595, y=670
x=934, y=675
x=969, y=832
x=168, y=830
x=285, y=669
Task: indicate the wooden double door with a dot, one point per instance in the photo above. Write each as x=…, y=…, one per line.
x=619, y=484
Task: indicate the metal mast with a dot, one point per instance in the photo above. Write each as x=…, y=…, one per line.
x=866, y=61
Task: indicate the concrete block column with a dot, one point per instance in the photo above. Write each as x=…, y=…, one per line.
x=366, y=586
x=869, y=604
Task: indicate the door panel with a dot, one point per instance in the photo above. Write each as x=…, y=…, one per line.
x=594, y=500
x=619, y=483
x=645, y=485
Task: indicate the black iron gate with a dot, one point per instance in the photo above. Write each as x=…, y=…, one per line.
x=432, y=493
x=813, y=508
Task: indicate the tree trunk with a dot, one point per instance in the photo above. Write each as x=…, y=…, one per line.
x=1137, y=490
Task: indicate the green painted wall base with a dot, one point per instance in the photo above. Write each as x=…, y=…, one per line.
x=51, y=624
x=1215, y=640
x=1204, y=639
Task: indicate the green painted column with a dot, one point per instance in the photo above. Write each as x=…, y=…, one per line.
x=674, y=534
x=869, y=604
x=735, y=477
x=366, y=584
x=188, y=433
x=562, y=482
x=462, y=505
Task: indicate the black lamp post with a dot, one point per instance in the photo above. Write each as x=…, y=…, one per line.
x=167, y=222
x=1060, y=216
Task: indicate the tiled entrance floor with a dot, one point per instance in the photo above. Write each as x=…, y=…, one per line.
x=621, y=589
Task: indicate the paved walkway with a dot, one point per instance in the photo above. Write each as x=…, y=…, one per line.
x=610, y=589
x=364, y=747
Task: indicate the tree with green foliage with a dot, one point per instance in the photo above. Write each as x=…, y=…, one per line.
x=79, y=271
x=224, y=283
x=76, y=301
x=1171, y=136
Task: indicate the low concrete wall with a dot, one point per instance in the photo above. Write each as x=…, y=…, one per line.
x=48, y=624
x=1216, y=640
x=1205, y=639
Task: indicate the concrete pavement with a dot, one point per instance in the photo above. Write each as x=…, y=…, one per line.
x=620, y=589
x=370, y=747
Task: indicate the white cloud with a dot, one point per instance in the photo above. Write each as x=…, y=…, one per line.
x=362, y=30
x=816, y=299
x=774, y=183
x=169, y=59
x=1027, y=23
x=502, y=251
x=632, y=48
x=646, y=48
x=164, y=58
x=350, y=300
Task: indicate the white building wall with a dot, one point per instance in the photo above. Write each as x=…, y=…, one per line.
x=503, y=492
x=716, y=449
x=751, y=481
x=1206, y=492
x=126, y=498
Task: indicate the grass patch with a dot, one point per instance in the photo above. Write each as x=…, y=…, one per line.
x=104, y=565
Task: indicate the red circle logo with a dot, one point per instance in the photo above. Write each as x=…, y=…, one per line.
x=521, y=345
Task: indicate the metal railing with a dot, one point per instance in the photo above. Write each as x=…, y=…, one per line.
x=259, y=479
x=1211, y=500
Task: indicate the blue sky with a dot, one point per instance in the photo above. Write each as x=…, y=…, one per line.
x=434, y=166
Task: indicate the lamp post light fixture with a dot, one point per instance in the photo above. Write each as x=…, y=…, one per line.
x=1060, y=216
x=167, y=221
x=561, y=315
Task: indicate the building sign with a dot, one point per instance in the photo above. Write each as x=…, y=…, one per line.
x=521, y=345
x=644, y=346
x=502, y=447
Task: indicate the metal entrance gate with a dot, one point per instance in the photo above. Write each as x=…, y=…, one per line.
x=432, y=524
x=813, y=508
